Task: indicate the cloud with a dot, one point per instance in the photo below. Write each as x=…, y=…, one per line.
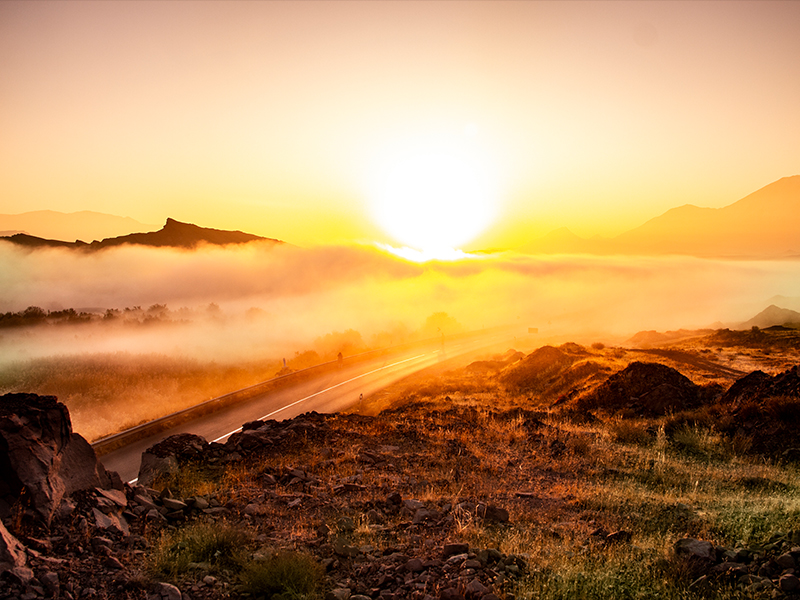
x=303, y=294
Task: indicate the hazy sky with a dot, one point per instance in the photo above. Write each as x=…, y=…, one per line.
x=284, y=118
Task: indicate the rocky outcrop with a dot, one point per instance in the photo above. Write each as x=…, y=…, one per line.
x=646, y=388
x=12, y=553
x=41, y=460
x=758, y=386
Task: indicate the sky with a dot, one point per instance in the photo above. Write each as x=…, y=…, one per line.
x=338, y=122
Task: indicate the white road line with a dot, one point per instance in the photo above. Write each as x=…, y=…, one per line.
x=222, y=437
x=237, y=430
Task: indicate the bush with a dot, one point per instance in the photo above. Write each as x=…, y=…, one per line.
x=291, y=574
x=219, y=545
x=631, y=432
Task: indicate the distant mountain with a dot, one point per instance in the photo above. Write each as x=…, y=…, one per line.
x=174, y=234
x=764, y=224
x=771, y=316
x=83, y=225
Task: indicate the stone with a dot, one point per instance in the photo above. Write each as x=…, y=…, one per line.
x=475, y=589
x=414, y=565
x=412, y=504
x=695, y=549
x=492, y=513
x=789, y=583
x=21, y=575
x=111, y=522
x=154, y=467
x=452, y=549
x=172, y=504
x=164, y=591
x=200, y=503
x=339, y=594
x=50, y=582
x=116, y=496
x=785, y=561
x=12, y=552
x=43, y=455
x=112, y=563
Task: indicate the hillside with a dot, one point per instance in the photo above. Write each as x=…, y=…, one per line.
x=83, y=225
x=644, y=480
x=174, y=234
x=764, y=224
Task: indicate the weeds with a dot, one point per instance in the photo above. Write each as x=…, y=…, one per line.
x=293, y=575
x=215, y=546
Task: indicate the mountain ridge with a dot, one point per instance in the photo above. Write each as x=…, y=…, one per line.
x=765, y=223
x=174, y=234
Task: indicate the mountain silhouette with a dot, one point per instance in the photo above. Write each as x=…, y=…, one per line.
x=767, y=222
x=763, y=224
x=82, y=225
x=174, y=234
x=772, y=316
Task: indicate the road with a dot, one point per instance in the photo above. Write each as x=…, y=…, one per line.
x=326, y=393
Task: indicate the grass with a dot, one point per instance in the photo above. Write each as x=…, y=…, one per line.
x=216, y=546
x=293, y=575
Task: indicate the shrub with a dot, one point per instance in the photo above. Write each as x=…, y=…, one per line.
x=218, y=544
x=631, y=432
x=291, y=574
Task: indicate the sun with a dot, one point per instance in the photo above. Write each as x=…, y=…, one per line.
x=434, y=196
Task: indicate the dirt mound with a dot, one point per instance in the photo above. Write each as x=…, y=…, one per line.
x=532, y=372
x=758, y=386
x=646, y=388
x=766, y=410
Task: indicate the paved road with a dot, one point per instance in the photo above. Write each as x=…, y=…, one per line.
x=328, y=392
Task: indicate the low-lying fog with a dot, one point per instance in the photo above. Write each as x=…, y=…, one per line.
x=275, y=301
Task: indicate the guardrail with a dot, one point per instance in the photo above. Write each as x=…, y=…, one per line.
x=118, y=440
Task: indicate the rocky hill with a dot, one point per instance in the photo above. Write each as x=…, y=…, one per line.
x=174, y=234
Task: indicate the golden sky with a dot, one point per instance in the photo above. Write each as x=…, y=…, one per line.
x=293, y=119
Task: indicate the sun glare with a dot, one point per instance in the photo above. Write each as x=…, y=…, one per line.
x=433, y=196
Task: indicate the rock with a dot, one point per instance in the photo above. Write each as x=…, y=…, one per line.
x=112, y=563
x=413, y=505
x=50, y=582
x=695, y=549
x=339, y=594
x=111, y=522
x=22, y=575
x=116, y=496
x=415, y=565
x=475, y=589
x=454, y=549
x=785, y=561
x=164, y=591
x=154, y=467
x=172, y=504
x=492, y=513
x=44, y=456
x=789, y=583
x=12, y=552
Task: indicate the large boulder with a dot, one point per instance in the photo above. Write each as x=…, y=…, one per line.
x=41, y=460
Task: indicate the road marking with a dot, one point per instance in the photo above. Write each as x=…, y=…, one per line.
x=222, y=437
x=333, y=387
